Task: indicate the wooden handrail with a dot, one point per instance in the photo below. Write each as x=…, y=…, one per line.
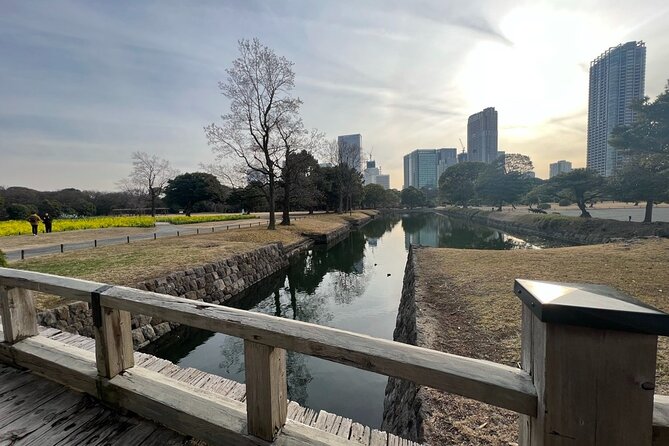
x=486, y=381
x=489, y=382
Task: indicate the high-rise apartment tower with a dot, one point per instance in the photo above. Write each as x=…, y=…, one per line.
x=617, y=79
x=482, y=136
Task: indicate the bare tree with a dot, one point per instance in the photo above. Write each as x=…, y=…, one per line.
x=294, y=139
x=258, y=87
x=148, y=178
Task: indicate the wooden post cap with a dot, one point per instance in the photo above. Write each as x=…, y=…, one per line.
x=590, y=305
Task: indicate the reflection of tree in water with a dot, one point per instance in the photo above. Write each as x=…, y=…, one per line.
x=467, y=236
x=379, y=226
x=412, y=223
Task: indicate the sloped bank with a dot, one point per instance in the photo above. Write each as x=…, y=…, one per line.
x=213, y=282
x=572, y=230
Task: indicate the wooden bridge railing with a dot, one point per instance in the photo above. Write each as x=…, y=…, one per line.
x=569, y=373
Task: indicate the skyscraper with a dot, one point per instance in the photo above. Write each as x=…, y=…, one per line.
x=350, y=150
x=617, y=79
x=561, y=166
x=482, y=136
x=423, y=167
x=446, y=158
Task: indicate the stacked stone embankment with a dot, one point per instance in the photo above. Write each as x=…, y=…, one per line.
x=572, y=230
x=215, y=282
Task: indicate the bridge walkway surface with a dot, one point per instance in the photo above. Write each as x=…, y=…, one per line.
x=47, y=409
x=36, y=411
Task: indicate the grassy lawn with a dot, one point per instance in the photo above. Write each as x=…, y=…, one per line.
x=128, y=264
x=469, y=308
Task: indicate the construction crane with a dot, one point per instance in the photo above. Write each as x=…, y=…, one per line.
x=462, y=145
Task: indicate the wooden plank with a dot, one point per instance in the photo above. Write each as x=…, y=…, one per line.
x=134, y=431
x=20, y=402
x=68, y=423
x=292, y=410
x=345, y=427
x=163, y=437
x=39, y=419
x=378, y=438
x=298, y=434
x=485, y=381
x=67, y=287
x=661, y=420
x=585, y=393
x=358, y=433
x=73, y=367
x=215, y=420
x=113, y=341
x=266, y=389
x=19, y=317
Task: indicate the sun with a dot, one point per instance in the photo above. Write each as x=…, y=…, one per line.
x=541, y=75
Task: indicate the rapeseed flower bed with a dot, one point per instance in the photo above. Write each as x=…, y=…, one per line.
x=183, y=220
x=18, y=227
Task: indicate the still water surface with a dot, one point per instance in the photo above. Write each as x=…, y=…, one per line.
x=356, y=286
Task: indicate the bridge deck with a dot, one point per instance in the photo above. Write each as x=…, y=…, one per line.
x=337, y=425
x=36, y=411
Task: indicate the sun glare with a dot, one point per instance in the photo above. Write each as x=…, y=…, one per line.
x=542, y=74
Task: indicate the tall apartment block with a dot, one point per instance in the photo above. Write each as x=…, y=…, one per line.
x=617, y=79
x=561, y=166
x=482, y=136
x=350, y=150
x=423, y=167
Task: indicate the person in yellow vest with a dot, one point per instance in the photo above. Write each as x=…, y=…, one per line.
x=34, y=220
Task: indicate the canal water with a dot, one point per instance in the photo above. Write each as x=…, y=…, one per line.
x=354, y=285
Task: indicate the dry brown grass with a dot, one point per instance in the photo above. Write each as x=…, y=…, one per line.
x=472, y=311
x=128, y=264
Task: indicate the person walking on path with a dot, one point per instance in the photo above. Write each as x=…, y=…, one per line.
x=47, y=222
x=34, y=220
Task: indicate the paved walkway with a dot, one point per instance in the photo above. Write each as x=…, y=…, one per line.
x=27, y=246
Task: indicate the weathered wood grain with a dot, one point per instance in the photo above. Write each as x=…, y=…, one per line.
x=67, y=287
x=661, y=420
x=113, y=342
x=266, y=389
x=19, y=317
x=485, y=381
x=590, y=385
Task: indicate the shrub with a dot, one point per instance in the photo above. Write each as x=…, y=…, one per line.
x=544, y=206
x=3, y=259
x=564, y=202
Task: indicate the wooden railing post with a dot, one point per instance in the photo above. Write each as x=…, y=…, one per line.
x=266, y=389
x=19, y=317
x=591, y=351
x=113, y=338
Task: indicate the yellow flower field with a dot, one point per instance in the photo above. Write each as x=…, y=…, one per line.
x=183, y=220
x=18, y=227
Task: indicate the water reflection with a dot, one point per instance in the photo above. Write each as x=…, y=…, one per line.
x=354, y=285
x=439, y=231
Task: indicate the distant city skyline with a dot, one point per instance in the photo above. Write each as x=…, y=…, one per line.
x=86, y=84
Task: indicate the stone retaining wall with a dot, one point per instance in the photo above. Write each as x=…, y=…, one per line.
x=402, y=404
x=214, y=282
x=571, y=230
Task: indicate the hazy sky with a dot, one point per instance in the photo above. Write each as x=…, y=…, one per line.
x=83, y=84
